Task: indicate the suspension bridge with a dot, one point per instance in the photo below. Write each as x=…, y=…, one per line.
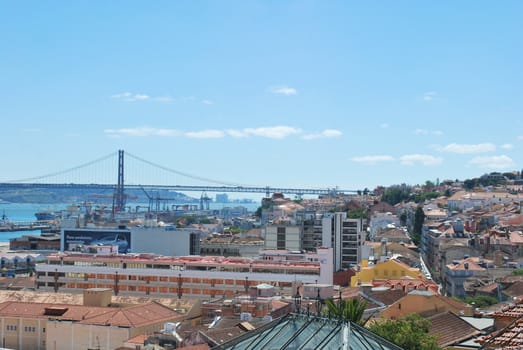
x=101, y=177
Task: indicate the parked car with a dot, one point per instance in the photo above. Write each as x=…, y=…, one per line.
x=116, y=239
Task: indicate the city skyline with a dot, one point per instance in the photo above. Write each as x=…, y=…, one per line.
x=292, y=94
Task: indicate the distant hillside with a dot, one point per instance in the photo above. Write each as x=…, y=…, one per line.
x=47, y=195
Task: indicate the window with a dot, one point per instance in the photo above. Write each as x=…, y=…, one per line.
x=11, y=327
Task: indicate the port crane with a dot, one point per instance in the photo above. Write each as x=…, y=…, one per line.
x=204, y=201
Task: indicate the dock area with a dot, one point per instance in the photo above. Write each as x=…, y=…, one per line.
x=26, y=226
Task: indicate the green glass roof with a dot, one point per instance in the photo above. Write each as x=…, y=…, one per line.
x=302, y=331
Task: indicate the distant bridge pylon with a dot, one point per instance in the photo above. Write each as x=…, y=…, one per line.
x=118, y=189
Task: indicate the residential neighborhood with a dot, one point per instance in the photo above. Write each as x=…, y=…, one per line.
x=462, y=273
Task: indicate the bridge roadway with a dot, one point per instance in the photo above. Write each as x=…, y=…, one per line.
x=245, y=189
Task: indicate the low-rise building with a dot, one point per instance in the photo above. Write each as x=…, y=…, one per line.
x=189, y=276
x=34, y=326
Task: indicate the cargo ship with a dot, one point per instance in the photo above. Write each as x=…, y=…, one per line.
x=45, y=216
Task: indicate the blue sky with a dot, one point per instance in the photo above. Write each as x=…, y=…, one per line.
x=316, y=94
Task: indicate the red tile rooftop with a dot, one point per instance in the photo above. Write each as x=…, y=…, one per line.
x=196, y=260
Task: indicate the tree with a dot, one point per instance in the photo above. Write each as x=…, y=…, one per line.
x=481, y=301
x=410, y=333
x=403, y=219
x=357, y=213
x=396, y=194
x=419, y=219
x=347, y=310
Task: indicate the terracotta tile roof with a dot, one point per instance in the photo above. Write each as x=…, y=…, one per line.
x=516, y=237
x=77, y=299
x=515, y=290
x=387, y=297
x=513, y=311
x=510, y=337
x=489, y=288
x=407, y=283
x=17, y=282
x=450, y=329
x=133, y=316
x=139, y=339
x=466, y=264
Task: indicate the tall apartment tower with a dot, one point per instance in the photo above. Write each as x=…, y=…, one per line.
x=345, y=236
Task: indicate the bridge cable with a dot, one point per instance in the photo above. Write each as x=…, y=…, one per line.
x=195, y=177
x=64, y=171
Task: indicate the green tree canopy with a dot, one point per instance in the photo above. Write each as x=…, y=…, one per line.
x=419, y=219
x=347, y=310
x=410, y=333
x=481, y=301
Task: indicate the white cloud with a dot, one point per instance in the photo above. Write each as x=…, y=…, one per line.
x=141, y=132
x=272, y=132
x=384, y=125
x=468, y=148
x=164, y=99
x=236, y=133
x=327, y=133
x=205, y=134
x=424, y=159
x=371, y=160
x=283, y=90
x=207, y=102
x=428, y=132
x=429, y=96
x=130, y=97
x=507, y=146
x=493, y=162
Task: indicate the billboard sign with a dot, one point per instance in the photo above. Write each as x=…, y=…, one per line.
x=82, y=239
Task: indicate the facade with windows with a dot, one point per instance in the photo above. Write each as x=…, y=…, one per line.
x=346, y=237
x=39, y=326
x=189, y=276
x=283, y=236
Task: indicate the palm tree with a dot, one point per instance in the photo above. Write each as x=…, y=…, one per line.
x=347, y=310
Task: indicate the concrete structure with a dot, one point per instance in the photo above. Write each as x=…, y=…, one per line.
x=190, y=276
x=164, y=240
x=283, y=235
x=463, y=200
x=380, y=221
x=346, y=237
x=231, y=246
x=35, y=242
x=456, y=273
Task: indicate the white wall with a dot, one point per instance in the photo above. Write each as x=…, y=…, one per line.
x=160, y=241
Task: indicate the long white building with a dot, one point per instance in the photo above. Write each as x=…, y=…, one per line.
x=188, y=276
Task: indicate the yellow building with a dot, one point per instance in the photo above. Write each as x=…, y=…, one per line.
x=390, y=269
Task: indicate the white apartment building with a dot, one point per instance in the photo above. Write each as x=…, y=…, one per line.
x=345, y=236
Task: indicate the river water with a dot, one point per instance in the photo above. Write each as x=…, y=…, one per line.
x=25, y=212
